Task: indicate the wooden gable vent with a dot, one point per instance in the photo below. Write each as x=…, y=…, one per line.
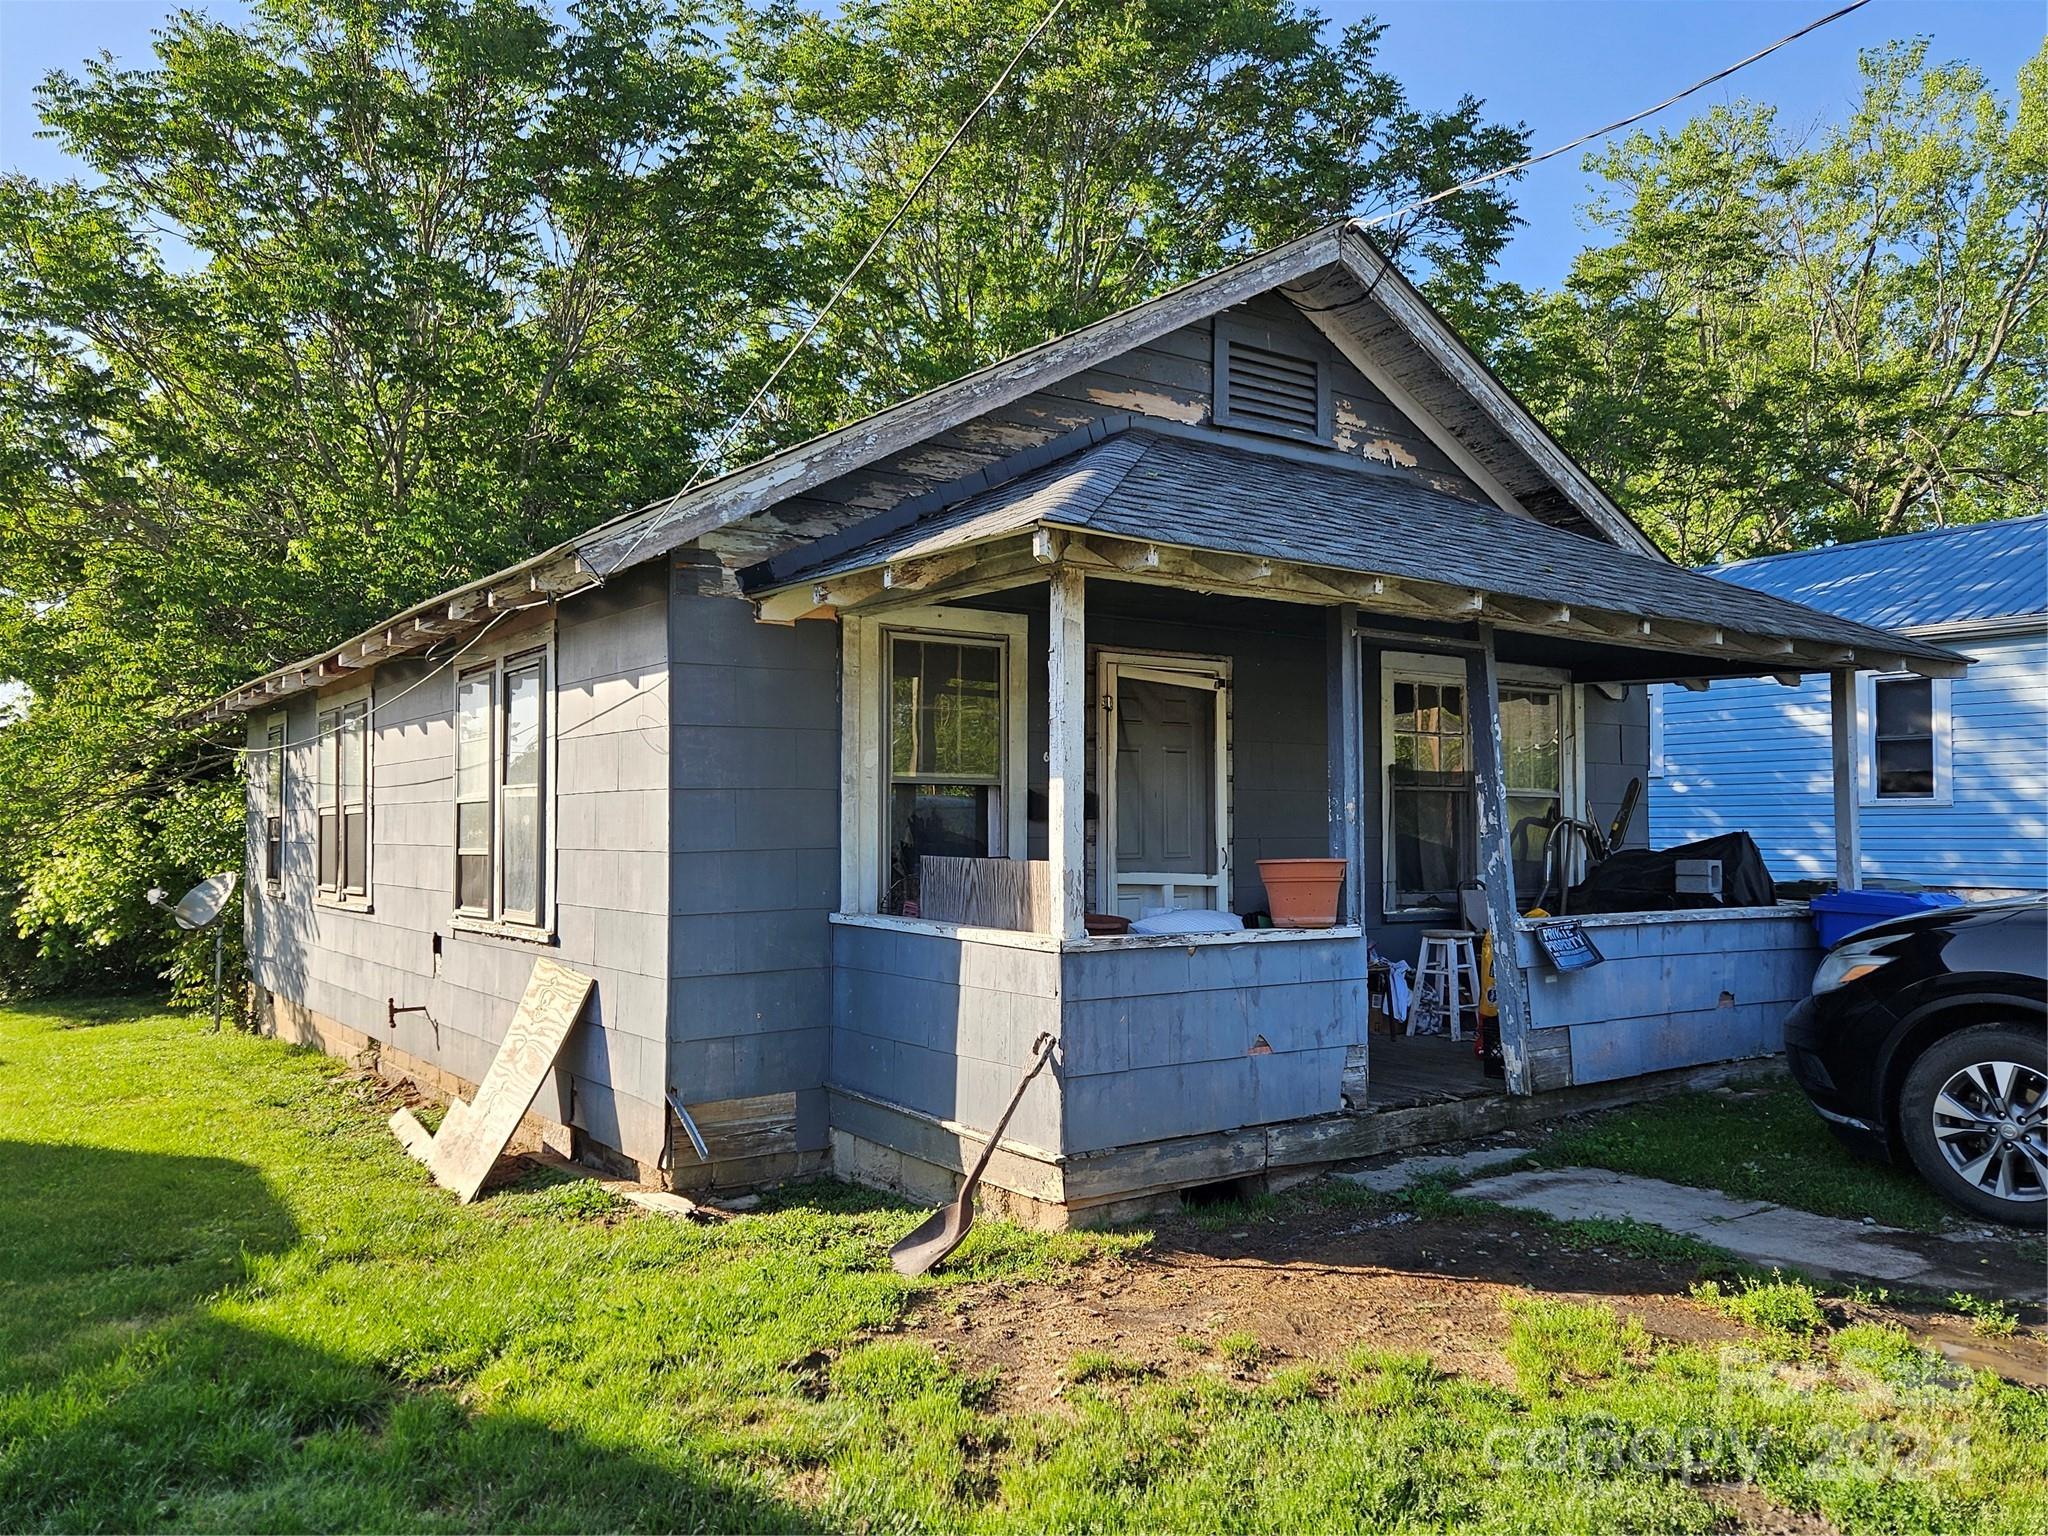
x=1262, y=387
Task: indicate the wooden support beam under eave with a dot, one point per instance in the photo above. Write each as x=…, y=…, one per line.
x=787, y=606
x=926, y=571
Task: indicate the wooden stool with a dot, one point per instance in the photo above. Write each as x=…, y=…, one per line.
x=1447, y=980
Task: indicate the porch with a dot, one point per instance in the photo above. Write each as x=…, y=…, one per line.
x=1110, y=703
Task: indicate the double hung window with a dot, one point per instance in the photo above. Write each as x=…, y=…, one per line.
x=343, y=835
x=501, y=793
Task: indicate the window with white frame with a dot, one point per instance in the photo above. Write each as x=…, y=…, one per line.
x=1429, y=786
x=501, y=789
x=1431, y=805
x=343, y=833
x=1906, y=744
x=945, y=755
x=935, y=743
x=1532, y=733
x=271, y=788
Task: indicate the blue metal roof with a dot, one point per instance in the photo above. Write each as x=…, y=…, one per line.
x=1962, y=575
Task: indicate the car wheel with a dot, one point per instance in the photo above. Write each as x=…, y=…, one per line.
x=1974, y=1116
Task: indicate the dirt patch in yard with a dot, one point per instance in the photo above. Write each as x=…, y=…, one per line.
x=1308, y=1288
x=1313, y=1285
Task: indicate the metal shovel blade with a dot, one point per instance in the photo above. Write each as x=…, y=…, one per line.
x=946, y=1228
x=933, y=1238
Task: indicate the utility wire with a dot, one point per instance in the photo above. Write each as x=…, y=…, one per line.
x=719, y=443
x=1615, y=127
x=846, y=283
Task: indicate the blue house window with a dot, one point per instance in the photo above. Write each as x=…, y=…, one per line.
x=1906, y=750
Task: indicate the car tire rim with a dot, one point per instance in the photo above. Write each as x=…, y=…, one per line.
x=1991, y=1123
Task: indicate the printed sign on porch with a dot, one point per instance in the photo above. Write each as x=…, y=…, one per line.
x=1567, y=946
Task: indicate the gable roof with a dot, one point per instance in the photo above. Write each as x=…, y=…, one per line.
x=1440, y=371
x=1972, y=575
x=1363, y=305
x=1193, y=490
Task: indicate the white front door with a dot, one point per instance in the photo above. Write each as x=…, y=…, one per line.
x=1163, y=770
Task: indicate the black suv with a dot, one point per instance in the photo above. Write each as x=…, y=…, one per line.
x=1927, y=1036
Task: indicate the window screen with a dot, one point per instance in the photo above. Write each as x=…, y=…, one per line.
x=1532, y=739
x=1430, y=795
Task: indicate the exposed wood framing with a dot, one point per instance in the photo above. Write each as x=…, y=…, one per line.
x=1023, y=559
x=457, y=615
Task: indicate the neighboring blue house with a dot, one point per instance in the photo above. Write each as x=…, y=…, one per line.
x=1954, y=789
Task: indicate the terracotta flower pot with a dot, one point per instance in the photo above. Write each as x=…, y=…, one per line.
x=1302, y=893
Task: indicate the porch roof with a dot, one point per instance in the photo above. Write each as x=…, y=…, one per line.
x=1192, y=492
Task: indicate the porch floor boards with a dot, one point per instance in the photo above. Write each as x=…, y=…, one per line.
x=1403, y=1071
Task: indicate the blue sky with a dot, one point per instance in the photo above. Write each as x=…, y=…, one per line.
x=1561, y=66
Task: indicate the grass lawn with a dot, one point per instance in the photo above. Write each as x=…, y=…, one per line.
x=228, y=1301
x=1781, y=1151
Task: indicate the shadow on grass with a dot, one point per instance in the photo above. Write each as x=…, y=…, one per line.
x=127, y=1402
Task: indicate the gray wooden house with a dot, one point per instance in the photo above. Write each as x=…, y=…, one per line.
x=1269, y=566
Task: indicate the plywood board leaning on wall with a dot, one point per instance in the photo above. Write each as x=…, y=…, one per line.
x=473, y=1134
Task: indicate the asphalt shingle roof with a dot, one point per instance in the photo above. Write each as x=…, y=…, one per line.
x=1964, y=575
x=1202, y=494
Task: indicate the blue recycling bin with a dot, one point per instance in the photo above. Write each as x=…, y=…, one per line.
x=1837, y=914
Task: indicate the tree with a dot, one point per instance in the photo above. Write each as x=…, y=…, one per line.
x=372, y=296
x=360, y=301
x=1136, y=146
x=1791, y=341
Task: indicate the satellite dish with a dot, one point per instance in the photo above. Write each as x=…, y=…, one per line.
x=198, y=908
x=201, y=906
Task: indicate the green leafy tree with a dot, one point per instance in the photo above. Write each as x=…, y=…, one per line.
x=1790, y=341
x=1135, y=147
x=371, y=296
x=353, y=303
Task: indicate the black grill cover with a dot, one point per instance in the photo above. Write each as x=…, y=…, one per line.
x=1641, y=879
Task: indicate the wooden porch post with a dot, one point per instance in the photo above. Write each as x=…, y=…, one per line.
x=1067, y=753
x=1346, y=749
x=1848, y=780
x=1496, y=863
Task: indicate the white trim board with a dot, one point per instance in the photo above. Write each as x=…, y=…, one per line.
x=863, y=679
x=1111, y=666
x=1942, y=725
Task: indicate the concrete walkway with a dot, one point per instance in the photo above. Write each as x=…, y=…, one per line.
x=1389, y=1178
x=1768, y=1234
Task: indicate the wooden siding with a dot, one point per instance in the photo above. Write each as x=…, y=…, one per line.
x=1171, y=378
x=1754, y=757
x=611, y=823
x=1157, y=1041
x=1675, y=990
x=942, y=1026
x=1279, y=789
x=1617, y=749
x=1180, y=1040
x=754, y=861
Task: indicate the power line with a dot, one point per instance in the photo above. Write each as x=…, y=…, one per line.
x=924, y=179
x=1615, y=127
x=718, y=443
